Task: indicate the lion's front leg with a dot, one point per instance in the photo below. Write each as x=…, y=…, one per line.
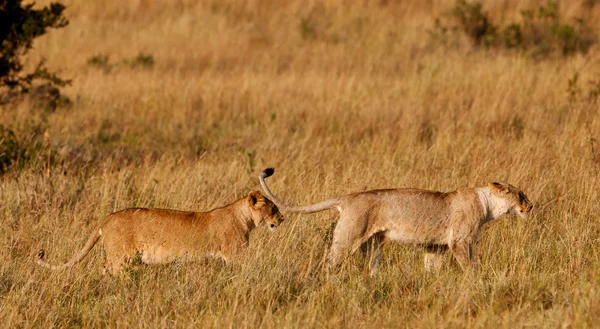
x=434, y=257
x=464, y=253
x=433, y=262
x=233, y=250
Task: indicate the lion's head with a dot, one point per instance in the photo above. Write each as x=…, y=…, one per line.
x=515, y=201
x=264, y=210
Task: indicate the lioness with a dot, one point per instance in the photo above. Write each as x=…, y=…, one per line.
x=436, y=220
x=161, y=235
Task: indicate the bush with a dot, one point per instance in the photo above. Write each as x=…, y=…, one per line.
x=10, y=152
x=307, y=29
x=142, y=60
x=19, y=25
x=540, y=32
x=100, y=61
x=473, y=22
x=29, y=148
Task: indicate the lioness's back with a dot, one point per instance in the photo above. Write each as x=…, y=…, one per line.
x=409, y=204
x=169, y=228
x=153, y=219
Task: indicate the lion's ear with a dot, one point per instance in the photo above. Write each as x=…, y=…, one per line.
x=256, y=199
x=499, y=187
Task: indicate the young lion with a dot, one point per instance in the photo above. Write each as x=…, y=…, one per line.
x=436, y=220
x=161, y=235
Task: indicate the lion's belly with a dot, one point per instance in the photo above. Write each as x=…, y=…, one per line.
x=167, y=252
x=417, y=235
x=158, y=255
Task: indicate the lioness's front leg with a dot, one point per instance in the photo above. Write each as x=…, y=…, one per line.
x=433, y=261
x=464, y=253
x=434, y=257
x=230, y=251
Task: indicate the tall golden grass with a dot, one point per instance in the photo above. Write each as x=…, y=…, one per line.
x=339, y=97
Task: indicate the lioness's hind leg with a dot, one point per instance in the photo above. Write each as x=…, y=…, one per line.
x=346, y=239
x=371, y=249
x=113, y=266
x=118, y=256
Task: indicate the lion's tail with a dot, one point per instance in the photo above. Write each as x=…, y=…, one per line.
x=323, y=205
x=76, y=258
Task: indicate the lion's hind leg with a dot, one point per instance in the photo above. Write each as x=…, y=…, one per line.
x=113, y=268
x=114, y=265
x=119, y=255
x=349, y=234
x=371, y=249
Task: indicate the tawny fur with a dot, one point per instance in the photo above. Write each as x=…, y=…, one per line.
x=160, y=235
x=439, y=221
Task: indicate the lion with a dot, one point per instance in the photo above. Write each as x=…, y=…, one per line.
x=158, y=236
x=438, y=221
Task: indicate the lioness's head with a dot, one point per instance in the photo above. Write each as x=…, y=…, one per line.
x=264, y=210
x=515, y=201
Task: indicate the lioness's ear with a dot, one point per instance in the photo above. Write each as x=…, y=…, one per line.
x=499, y=187
x=256, y=199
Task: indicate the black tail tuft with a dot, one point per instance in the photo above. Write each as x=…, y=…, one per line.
x=267, y=172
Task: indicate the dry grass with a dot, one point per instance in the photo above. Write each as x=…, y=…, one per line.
x=338, y=98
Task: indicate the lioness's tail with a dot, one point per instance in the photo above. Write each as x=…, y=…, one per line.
x=323, y=205
x=75, y=259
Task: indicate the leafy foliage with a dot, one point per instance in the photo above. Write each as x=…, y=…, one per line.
x=9, y=148
x=20, y=150
x=19, y=26
x=142, y=60
x=473, y=21
x=100, y=61
x=540, y=32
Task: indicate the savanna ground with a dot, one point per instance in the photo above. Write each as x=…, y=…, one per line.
x=339, y=97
